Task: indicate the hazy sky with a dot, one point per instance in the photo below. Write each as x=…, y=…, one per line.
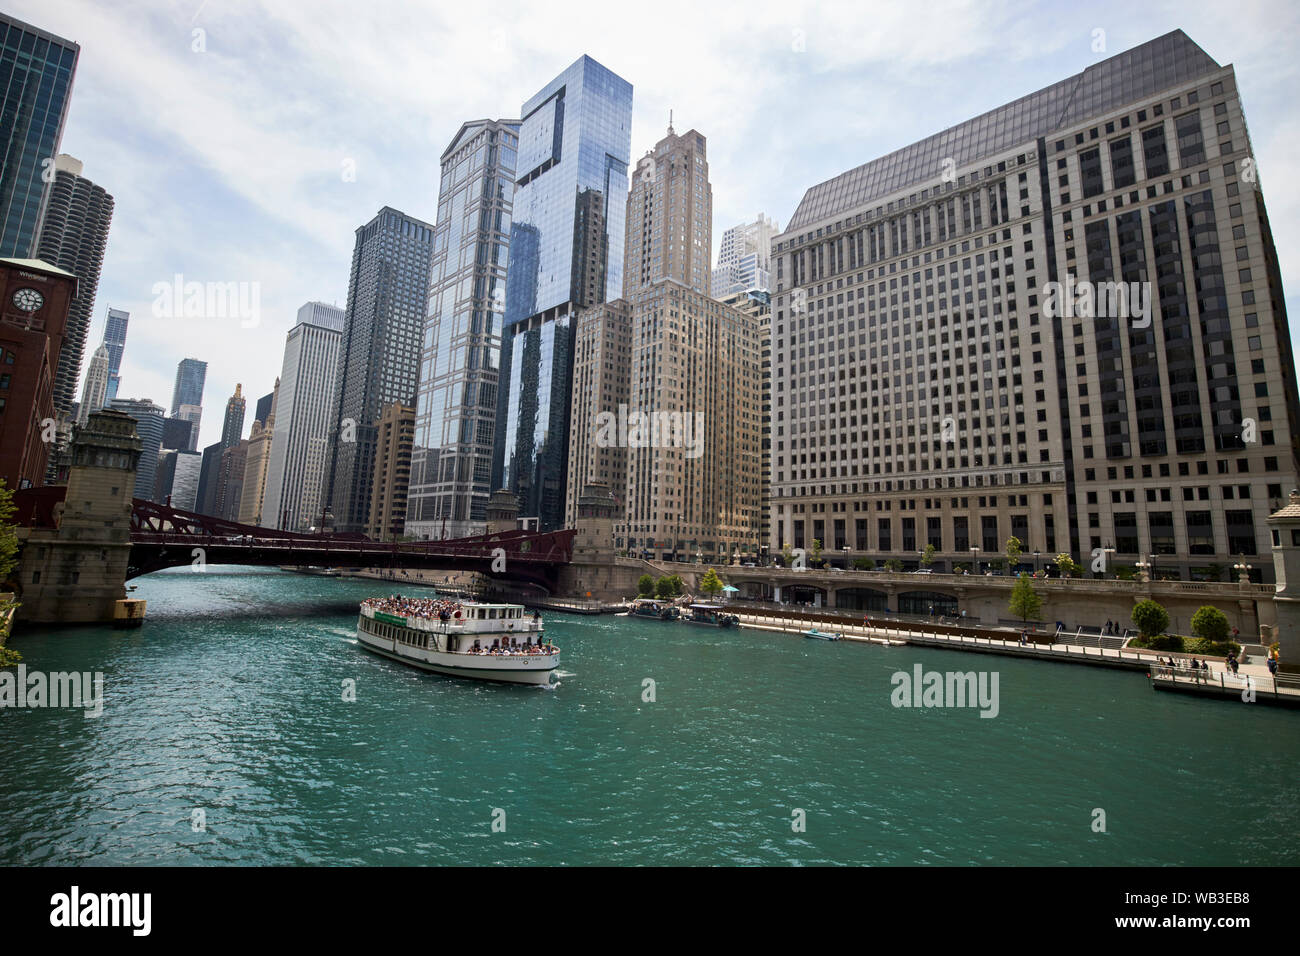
x=255, y=158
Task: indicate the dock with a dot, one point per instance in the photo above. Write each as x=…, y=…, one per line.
x=1279, y=690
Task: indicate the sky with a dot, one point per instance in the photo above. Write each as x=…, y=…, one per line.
x=245, y=142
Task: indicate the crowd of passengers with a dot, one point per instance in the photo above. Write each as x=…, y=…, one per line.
x=432, y=609
x=512, y=647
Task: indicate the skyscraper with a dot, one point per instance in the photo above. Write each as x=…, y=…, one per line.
x=566, y=253
x=93, y=395
x=667, y=381
x=745, y=258
x=220, y=495
x=188, y=390
x=233, y=425
x=149, y=426
x=935, y=382
x=36, y=71
x=456, y=409
x=670, y=210
x=379, y=357
x=262, y=412
x=394, y=433
x=187, y=396
x=115, y=341
x=73, y=237
x=302, y=416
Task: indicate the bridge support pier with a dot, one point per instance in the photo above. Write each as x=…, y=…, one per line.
x=75, y=572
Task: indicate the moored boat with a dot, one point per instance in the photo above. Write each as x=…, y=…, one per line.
x=496, y=642
x=711, y=615
x=822, y=635
x=648, y=607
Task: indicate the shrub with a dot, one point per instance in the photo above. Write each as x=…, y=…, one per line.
x=893, y=564
x=1210, y=623
x=1164, y=642
x=864, y=564
x=1150, y=618
x=645, y=586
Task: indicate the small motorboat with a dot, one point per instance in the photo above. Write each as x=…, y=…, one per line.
x=822, y=635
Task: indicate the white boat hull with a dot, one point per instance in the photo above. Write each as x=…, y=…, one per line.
x=509, y=669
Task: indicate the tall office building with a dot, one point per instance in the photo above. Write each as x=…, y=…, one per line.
x=232, y=426
x=36, y=71
x=670, y=216
x=187, y=396
x=188, y=390
x=258, y=457
x=262, y=412
x=178, y=433
x=938, y=376
x=149, y=426
x=745, y=258
x=230, y=480
x=757, y=303
x=302, y=416
x=394, y=436
x=673, y=427
x=115, y=341
x=74, y=236
x=96, y=388
x=566, y=253
x=379, y=358
x=602, y=377
x=456, y=407
x=177, y=480
x=220, y=494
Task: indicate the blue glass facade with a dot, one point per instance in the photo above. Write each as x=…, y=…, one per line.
x=115, y=342
x=566, y=253
x=36, y=70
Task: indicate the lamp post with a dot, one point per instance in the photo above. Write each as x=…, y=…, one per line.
x=1106, y=563
x=1243, y=572
x=1035, y=564
x=975, y=561
x=1144, y=571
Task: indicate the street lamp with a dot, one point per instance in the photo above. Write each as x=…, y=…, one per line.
x=1243, y=572
x=1106, y=565
x=1035, y=564
x=1144, y=570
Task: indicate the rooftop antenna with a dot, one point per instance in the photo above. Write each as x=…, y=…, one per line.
x=670, y=122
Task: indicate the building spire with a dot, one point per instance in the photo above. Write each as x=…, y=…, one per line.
x=670, y=122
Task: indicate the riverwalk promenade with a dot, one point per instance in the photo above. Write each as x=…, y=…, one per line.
x=1218, y=681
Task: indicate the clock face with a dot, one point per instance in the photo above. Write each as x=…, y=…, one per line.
x=29, y=300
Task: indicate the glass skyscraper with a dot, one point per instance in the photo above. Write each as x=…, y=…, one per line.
x=36, y=70
x=566, y=250
x=379, y=357
x=455, y=422
x=115, y=342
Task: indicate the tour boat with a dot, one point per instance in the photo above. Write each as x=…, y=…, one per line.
x=660, y=610
x=712, y=615
x=821, y=635
x=496, y=642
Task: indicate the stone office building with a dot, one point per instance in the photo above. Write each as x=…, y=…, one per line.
x=938, y=377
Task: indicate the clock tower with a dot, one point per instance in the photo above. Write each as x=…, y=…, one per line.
x=34, y=301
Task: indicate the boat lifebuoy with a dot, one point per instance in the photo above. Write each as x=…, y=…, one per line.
x=458, y=615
